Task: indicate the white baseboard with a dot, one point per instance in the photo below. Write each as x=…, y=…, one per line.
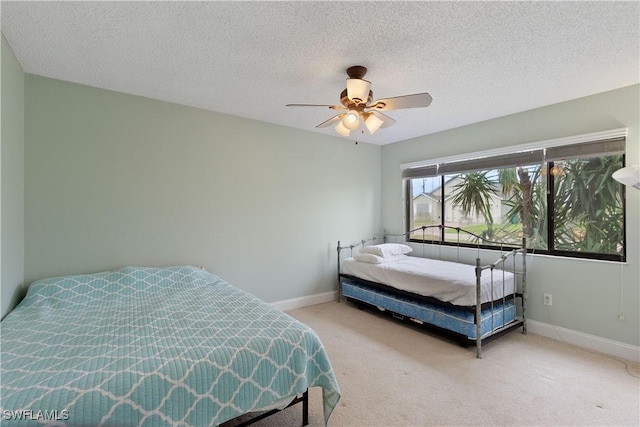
x=580, y=339
x=291, y=304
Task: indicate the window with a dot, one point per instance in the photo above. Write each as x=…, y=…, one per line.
x=563, y=199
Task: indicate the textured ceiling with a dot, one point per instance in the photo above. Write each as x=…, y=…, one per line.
x=478, y=60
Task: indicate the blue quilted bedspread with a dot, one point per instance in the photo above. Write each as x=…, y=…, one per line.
x=152, y=347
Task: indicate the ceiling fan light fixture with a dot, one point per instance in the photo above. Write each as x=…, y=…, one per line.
x=341, y=129
x=372, y=123
x=358, y=90
x=351, y=120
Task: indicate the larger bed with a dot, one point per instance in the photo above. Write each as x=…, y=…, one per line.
x=470, y=302
x=153, y=347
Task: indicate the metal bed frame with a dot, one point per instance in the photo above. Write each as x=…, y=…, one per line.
x=304, y=399
x=500, y=264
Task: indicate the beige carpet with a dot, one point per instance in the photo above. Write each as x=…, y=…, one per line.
x=391, y=374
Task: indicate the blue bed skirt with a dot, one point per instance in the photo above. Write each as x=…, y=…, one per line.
x=450, y=318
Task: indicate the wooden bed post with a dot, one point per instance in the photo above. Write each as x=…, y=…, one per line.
x=478, y=310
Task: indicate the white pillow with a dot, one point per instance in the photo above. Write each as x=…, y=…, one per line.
x=387, y=250
x=375, y=259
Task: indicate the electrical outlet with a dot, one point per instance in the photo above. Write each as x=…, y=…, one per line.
x=548, y=300
x=620, y=316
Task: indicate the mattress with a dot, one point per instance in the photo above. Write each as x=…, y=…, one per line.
x=450, y=318
x=153, y=346
x=446, y=281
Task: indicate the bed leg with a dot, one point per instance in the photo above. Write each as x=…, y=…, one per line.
x=305, y=408
x=478, y=314
x=524, y=285
x=339, y=281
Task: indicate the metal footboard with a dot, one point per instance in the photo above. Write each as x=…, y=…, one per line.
x=500, y=265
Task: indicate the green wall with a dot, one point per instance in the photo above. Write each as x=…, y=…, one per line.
x=114, y=180
x=12, y=180
x=588, y=295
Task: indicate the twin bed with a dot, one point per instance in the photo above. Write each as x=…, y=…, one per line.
x=472, y=303
x=153, y=347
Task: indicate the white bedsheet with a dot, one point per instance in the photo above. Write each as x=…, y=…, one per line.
x=447, y=281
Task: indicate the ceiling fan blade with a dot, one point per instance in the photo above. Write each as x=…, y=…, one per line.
x=332, y=121
x=417, y=100
x=332, y=107
x=386, y=120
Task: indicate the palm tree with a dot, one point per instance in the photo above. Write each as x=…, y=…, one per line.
x=526, y=198
x=473, y=196
x=587, y=203
x=588, y=213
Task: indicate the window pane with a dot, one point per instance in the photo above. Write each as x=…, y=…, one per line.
x=527, y=199
x=588, y=205
x=426, y=205
x=500, y=206
x=471, y=203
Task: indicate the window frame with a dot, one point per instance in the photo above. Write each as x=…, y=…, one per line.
x=557, y=146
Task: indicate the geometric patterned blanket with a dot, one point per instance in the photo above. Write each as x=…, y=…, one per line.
x=152, y=347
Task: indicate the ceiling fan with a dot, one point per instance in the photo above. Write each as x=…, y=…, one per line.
x=359, y=111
